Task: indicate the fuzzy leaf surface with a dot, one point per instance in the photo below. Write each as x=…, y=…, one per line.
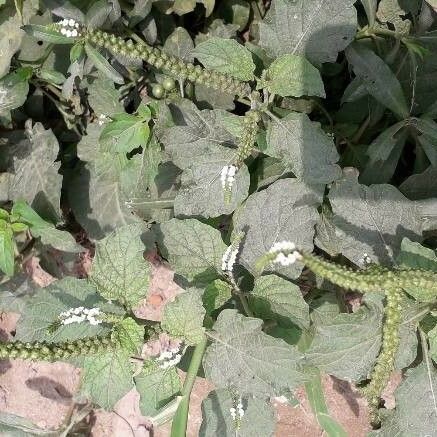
x=317, y=29
x=41, y=310
x=183, y=317
x=258, y=419
x=286, y=210
x=304, y=148
x=193, y=249
x=280, y=299
x=416, y=411
x=156, y=387
x=347, y=345
x=293, y=75
x=371, y=220
x=226, y=56
x=244, y=357
x=119, y=269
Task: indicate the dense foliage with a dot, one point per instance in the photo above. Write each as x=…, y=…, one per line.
x=280, y=155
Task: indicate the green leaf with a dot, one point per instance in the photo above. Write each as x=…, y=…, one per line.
x=119, y=269
x=180, y=44
x=428, y=138
x=258, y=419
x=124, y=133
x=370, y=8
x=432, y=336
x=294, y=208
x=183, y=317
x=103, y=65
x=44, y=33
x=371, y=220
x=422, y=185
x=44, y=307
x=293, y=75
x=7, y=247
x=384, y=153
x=226, y=56
x=380, y=82
x=308, y=28
x=347, y=345
x=243, y=357
x=52, y=76
x=195, y=133
x=192, y=248
x=413, y=255
x=278, y=298
x=201, y=192
x=394, y=12
x=108, y=377
x=36, y=179
x=415, y=413
x=104, y=98
x=14, y=88
x=216, y=294
x=157, y=387
x=102, y=191
x=60, y=240
x=304, y=148
x=316, y=399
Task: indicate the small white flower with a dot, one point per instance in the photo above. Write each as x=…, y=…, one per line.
x=227, y=176
x=79, y=315
x=102, y=119
x=71, y=22
x=74, y=33
x=286, y=253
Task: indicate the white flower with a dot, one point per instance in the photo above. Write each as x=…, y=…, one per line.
x=227, y=176
x=79, y=315
x=102, y=119
x=169, y=358
x=286, y=253
x=70, y=28
x=237, y=411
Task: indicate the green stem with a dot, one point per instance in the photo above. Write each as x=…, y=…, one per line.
x=180, y=420
x=369, y=32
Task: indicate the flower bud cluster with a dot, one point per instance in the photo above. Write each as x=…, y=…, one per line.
x=229, y=258
x=169, y=358
x=171, y=65
x=80, y=315
x=70, y=28
x=390, y=345
x=248, y=137
x=56, y=351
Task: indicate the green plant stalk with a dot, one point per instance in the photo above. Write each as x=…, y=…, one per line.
x=316, y=399
x=56, y=351
x=167, y=63
x=180, y=419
